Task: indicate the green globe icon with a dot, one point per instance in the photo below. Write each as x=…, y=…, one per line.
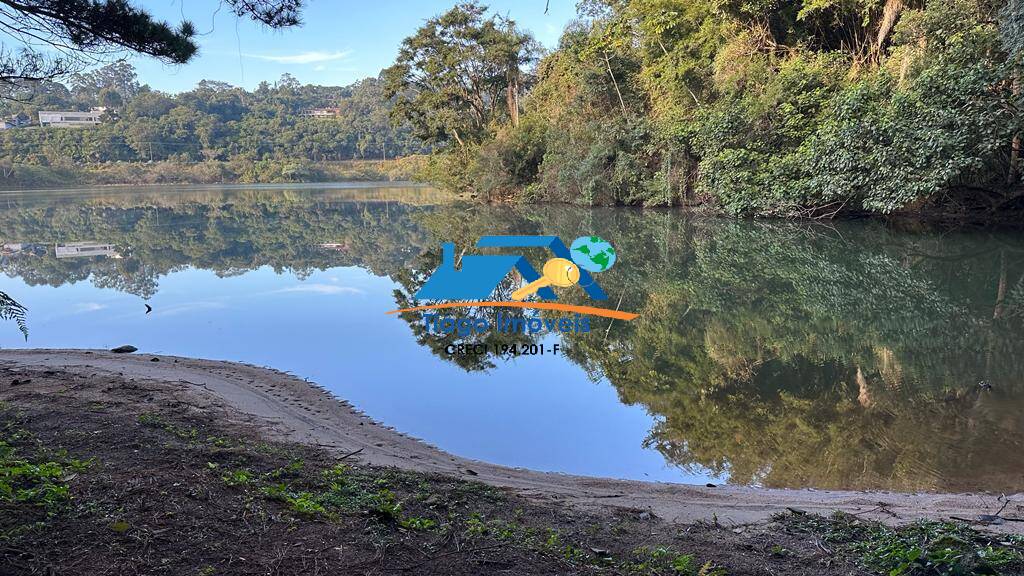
x=593, y=253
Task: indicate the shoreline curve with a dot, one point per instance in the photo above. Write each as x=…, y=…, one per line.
x=289, y=408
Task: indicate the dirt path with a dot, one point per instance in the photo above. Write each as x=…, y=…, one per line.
x=289, y=408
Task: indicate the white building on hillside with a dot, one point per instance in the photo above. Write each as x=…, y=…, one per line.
x=322, y=113
x=64, y=118
x=80, y=249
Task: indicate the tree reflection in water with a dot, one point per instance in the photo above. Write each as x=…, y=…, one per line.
x=781, y=354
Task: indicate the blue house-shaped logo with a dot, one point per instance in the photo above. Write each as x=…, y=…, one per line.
x=480, y=274
x=478, y=277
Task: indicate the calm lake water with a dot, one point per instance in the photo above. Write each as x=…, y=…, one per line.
x=850, y=355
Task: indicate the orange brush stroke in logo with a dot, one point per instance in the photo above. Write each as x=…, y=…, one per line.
x=616, y=314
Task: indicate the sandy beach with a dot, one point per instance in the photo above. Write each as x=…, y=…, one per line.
x=288, y=408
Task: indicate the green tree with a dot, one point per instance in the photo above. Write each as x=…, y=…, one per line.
x=794, y=108
x=116, y=77
x=458, y=73
x=110, y=98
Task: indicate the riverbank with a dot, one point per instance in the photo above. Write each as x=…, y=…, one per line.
x=238, y=171
x=424, y=170
x=165, y=442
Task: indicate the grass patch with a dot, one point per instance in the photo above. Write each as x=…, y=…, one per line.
x=917, y=549
x=332, y=493
x=660, y=559
x=553, y=543
x=33, y=479
x=328, y=493
x=187, y=434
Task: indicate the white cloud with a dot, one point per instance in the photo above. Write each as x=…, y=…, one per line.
x=320, y=289
x=311, y=57
x=89, y=307
x=189, y=307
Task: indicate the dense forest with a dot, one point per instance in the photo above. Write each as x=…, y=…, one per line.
x=805, y=108
x=214, y=122
x=755, y=107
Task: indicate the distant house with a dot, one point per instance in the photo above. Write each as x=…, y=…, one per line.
x=322, y=113
x=83, y=249
x=65, y=118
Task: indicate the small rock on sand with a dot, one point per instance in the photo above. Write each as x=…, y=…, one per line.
x=124, y=350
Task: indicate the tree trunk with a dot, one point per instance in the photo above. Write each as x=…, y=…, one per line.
x=1014, y=175
x=512, y=99
x=457, y=139
x=615, y=83
x=1001, y=288
x=890, y=13
x=863, y=390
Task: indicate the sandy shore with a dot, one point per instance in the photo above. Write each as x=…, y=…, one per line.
x=292, y=409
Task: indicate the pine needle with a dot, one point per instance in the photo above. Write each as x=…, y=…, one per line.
x=11, y=310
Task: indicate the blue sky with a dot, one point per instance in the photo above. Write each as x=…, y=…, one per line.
x=338, y=43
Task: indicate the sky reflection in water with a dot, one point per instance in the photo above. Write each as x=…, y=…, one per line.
x=777, y=354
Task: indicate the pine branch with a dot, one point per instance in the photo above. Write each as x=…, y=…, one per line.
x=61, y=36
x=11, y=310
